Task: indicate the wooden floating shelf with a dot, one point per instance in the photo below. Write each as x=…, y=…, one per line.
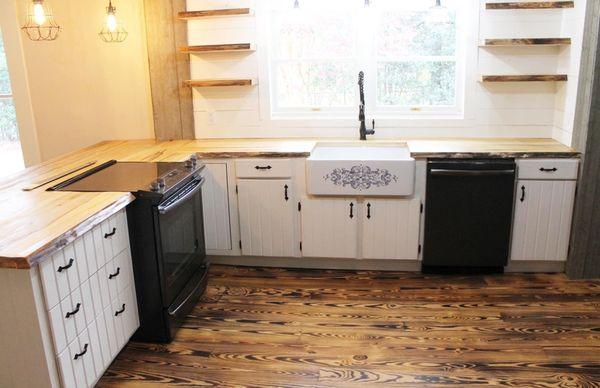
x=524, y=78
x=187, y=15
x=531, y=5
x=209, y=83
x=212, y=48
x=527, y=42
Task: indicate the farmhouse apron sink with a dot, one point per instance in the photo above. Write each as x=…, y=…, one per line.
x=360, y=169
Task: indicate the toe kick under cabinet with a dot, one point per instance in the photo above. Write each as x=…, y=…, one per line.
x=543, y=209
x=77, y=310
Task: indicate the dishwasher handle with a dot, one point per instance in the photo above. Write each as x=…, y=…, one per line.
x=448, y=172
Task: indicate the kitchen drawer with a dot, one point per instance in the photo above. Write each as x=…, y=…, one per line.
x=115, y=237
x=60, y=274
x=76, y=363
x=548, y=169
x=67, y=320
x=125, y=316
x=263, y=168
x=119, y=273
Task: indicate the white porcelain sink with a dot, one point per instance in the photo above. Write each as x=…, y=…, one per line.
x=360, y=169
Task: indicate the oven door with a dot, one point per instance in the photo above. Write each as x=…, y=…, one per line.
x=181, y=238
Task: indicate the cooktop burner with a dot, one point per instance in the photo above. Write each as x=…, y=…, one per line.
x=156, y=177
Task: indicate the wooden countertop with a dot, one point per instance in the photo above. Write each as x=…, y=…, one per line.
x=35, y=223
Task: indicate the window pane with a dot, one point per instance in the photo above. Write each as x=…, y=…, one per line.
x=308, y=84
x=416, y=83
x=314, y=35
x=414, y=33
x=11, y=156
x=4, y=80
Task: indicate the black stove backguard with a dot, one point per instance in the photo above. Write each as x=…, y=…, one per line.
x=168, y=249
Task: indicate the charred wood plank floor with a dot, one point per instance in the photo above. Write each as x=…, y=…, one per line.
x=265, y=327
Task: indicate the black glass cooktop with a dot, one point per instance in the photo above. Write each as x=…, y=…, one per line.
x=132, y=177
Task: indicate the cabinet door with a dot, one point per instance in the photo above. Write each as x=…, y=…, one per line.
x=330, y=228
x=267, y=217
x=391, y=229
x=542, y=221
x=215, y=204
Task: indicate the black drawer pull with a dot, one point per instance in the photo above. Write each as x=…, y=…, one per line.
x=368, y=210
x=69, y=315
x=63, y=267
x=522, y=193
x=263, y=167
x=114, y=275
x=107, y=235
x=84, y=351
x=554, y=169
x=117, y=313
x=285, y=195
x=351, y=210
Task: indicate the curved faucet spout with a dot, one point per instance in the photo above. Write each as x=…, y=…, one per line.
x=363, y=131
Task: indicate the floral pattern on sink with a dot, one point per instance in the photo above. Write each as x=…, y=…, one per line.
x=360, y=177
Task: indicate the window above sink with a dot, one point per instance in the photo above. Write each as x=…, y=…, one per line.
x=412, y=54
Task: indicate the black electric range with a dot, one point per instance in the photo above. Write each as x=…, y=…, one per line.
x=167, y=236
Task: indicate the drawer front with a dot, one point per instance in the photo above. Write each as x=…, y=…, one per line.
x=550, y=169
x=67, y=320
x=60, y=275
x=77, y=363
x=125, y=316
x=263, y=168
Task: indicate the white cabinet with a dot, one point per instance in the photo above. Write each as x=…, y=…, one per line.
x=330, y=227
x=215, y=205
x=84, y=300
x=267, y=219
x=385, y=228
x=391, y=229
x=542, y=220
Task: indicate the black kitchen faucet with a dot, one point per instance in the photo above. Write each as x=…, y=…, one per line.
x=361, y=109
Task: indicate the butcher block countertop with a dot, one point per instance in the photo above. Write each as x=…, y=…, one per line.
x=37, y=222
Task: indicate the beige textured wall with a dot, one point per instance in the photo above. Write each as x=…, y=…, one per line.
x=84, y=90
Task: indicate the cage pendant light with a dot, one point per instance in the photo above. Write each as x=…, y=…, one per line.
x=40, y=24
x=112, y=30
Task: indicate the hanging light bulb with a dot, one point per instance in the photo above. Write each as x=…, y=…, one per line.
x=40, y=23
x=39, y=14
x=112, y=31
x=438, y=13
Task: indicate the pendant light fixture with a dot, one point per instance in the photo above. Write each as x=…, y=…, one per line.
x=40, y=23
x=438, y=14
x=112, y=31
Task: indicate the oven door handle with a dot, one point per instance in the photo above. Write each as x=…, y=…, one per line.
x=189, y=191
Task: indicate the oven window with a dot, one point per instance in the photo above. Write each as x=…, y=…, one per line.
x=180, y=240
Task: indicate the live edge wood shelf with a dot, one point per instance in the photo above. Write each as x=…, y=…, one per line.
x=188, y=15
x=212, y=48
x=527, y=42
x=524, y=78
x=206, y=83
x=531, y=5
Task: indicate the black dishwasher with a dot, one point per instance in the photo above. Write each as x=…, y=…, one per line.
x=468, y=217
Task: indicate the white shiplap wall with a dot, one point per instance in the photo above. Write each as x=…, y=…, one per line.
x=492, y=110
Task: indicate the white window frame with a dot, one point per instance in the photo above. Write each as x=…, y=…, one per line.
x=386, y=118
x=13, y=47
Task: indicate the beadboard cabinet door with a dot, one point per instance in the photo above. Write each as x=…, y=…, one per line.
x=330, y=227
x=267, y=218
x=542, y=221
x=215, y=205
x=391, y=229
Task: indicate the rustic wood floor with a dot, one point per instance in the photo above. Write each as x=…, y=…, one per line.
x=302, y=328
